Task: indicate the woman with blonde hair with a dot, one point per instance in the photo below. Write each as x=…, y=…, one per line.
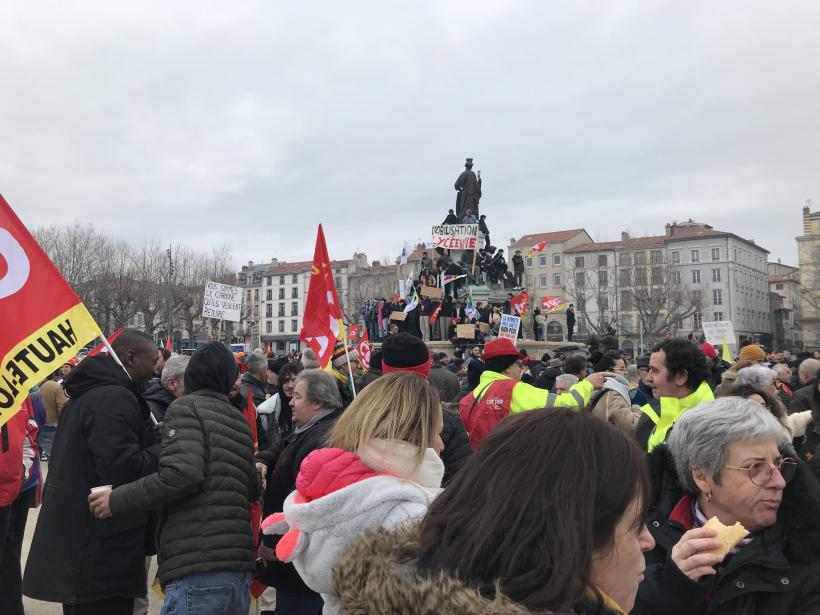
x=382, y=469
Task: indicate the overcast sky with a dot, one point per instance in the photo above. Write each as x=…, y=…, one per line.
x=248, y=123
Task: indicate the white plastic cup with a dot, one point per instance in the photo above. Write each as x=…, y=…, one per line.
x=101, y=488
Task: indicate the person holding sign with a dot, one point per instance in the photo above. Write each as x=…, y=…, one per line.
x=500, y=392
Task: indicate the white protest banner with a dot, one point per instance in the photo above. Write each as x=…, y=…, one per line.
x=509, y=327
x=222, y=301
x=719, y=331
x=455, y=236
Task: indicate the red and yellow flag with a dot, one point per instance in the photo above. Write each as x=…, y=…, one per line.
x=44, y=323
x=322, y=324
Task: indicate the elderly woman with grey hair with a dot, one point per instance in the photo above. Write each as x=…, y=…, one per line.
x=757, y=382
x=316, y=405
x=729, y=458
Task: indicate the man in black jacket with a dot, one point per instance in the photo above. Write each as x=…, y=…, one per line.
x=205, y=485
x=316, y=405
x=255, y=379
x=95, y=565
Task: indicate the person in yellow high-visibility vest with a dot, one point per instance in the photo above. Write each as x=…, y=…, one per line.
x=679, y=376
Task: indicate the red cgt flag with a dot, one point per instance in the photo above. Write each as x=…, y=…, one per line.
x=353, y=332
x=363, y=348
x=537, y=247
x=44, y=323
x=323, y=317
x=520, y=302
x=168, y=345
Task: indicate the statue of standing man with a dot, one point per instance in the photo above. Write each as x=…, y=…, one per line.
x=468, y=186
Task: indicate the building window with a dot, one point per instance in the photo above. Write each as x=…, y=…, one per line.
x=623, y=277
x=603, y=279
x=528, y=262
x=581, y=305
x=281, y=309
x=269, y=310
x=718, y=316
x=675, y=275
x=281, y=292
x=717, y=297
x=734, y=254
x=624, y=260
x=676, y=257
x=256, y=295
x=579, y=262
x=640, y=277
x=281, y=326
x=294, y=292
x=556, y=280
x=626, y=300
x=294, y=279
x=639, y=258
x=268, y=326
x=269, y=295
x=603, y=302
x=294, y=308
x=338, y=284
x=627, y=324
x=696, y=276
x=542, y=281
x=602, y=260
x=580, y=279
x=656, y=275
x=281, y=280
x=294, y=324
x=778, y=286
x=715, y=254
x=715, y=275
x=542, y=260
x=556, y=259
x=655, y=256
x=697, y=320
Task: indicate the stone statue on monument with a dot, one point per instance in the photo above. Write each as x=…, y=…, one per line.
x=468, y=187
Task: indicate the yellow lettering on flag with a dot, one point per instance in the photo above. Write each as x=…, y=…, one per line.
x=35, y=357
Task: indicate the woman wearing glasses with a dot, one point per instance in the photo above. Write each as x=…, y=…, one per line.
x=730, y=458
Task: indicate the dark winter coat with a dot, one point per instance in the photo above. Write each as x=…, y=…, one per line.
x=158, y=399
x=777, y=573
x=74, y=556
x=803, y=399
x=205, y=484
x=518, y=263
x=457, y=449
x=281, y=482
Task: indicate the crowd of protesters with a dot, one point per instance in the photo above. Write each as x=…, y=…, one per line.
x=480, y=480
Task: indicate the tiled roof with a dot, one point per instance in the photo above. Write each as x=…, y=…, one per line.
x=681, y=234
x=528, y=241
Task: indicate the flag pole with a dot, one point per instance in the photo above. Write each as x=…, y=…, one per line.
x=117, y=359
x=349, y=369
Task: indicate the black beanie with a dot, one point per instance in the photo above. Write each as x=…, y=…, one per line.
x=500, y=363
x=404, y=351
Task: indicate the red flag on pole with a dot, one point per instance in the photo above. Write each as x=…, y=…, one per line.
x=323, y=316
x=520, y=302
x=168, y=345
x=100, y=348
x=353, y=332
x=434, y=316
x=255, y=508
x=537, y=248
x=363, y=348
x=267, y=349
x=44, y=323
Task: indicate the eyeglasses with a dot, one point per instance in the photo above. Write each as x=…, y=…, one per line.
x=760, y=472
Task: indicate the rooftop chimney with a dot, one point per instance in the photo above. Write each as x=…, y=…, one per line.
x=806, y=223
x=669, y=229
x=624, y=236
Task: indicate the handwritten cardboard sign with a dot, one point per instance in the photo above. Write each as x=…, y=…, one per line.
x=432, y=292
x=466, y=332
x=222, y=301
x=455, y=236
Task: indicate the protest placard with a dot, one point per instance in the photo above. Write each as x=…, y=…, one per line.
x=509, y=327
x=465, y=332
x=455, y=236
x=222, y=301
x=397, y=315
x=432, y=292
x=718, y=331
x=484, y=327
